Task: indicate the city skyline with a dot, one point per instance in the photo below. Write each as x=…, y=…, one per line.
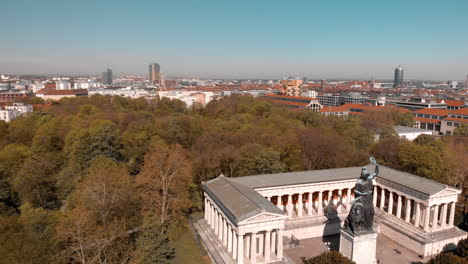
x=267, y=40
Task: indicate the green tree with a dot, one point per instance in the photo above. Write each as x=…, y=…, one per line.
x=328, y=257
x=446, y=258
x=11, y=159
x=462, y=248
x=423, y=161
x=258, y=160
x=153, y=245
x=462, y=130
x=29, y=237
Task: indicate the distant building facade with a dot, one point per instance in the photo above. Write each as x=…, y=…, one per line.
x=107, y=77
x=398, y=78
x=155, y=74
x=11, y=112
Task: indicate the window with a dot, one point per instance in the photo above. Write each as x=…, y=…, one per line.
x=449, y=123
x=456, y=124
x=427, y=116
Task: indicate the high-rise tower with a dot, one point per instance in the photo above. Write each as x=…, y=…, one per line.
x=398, y=80
x=155, y=73
x=107, y=77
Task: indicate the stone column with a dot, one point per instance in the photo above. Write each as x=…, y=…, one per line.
x=273, y=241
x=309, y=205
x=289, y=205
x=382, y=199
x=418, y=214
x=260, y=243
x=398, y=209
x=427, y=215
x=240, y=249
x=267, y=245
x=215, y=222
x=299, y=205
x=213, y=217
x=435, y=218
x=320, y=203
x=279, y=245
x=226, y=233
x=339, y=203
x=408, y=210
x=229, y=238
x=452, y=214
x=390, y=203
x=247, y=246
x=443, y=216
x=206, y=209
x=234, y=244
x=253, y=248
x=220, y=228
x=374, y=198
x=348, y=197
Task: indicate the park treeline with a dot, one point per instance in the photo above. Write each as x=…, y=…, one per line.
x=105, y=179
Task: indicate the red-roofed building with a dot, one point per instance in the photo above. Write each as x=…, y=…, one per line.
x=454, y=120
x=454, y=104
x=294, y=101
x=56, y=95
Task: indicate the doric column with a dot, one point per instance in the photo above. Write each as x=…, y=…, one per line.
x=339, y=203
x=435, y=218
x=408, y=210
x=253, y=248
x=229, y=238
x=299, y=205
x=348, y=197
x=279, y=245
x=398, y=209
x=443, y=216
x=273, y=241
x=206, y=209
x=418, y=214
x=267, y=245
x=240, y=249
x=374, y=198
x=309, y=204
x=212, y=216
x=320, y=203
x=221, y=228
x=260, y=243
x=234, y=243
x=289, y=205
x=216, y=225
x=390, y=203
x=452, y=214
x=382, y=199
x=427, y=215
x=247, y=246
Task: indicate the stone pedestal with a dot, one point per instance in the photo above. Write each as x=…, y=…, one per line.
x=361, y=248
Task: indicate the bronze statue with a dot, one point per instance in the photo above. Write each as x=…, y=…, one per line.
x=361, y=215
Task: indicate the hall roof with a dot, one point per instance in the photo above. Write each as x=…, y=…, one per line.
x=411, y=181
x=238, y=202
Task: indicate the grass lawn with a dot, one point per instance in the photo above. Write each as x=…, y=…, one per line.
x=187, y=251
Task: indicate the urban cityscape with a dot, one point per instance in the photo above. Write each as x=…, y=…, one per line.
x=207, y=132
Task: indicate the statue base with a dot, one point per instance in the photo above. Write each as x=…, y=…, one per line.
x=361, y=248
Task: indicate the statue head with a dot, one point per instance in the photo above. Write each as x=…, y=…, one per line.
x=364, y=173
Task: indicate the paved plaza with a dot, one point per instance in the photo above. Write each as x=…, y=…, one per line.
x=388, y=251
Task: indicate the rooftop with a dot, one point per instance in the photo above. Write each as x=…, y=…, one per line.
x=405, y=129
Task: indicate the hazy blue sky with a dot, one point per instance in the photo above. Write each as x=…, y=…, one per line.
x=236, y=38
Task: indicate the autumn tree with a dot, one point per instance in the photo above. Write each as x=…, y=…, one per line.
x=163, y=183
x=97, y=226
x=328, y=257
x=28, y=237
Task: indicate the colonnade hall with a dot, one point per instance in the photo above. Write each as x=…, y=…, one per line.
x=252, y=219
